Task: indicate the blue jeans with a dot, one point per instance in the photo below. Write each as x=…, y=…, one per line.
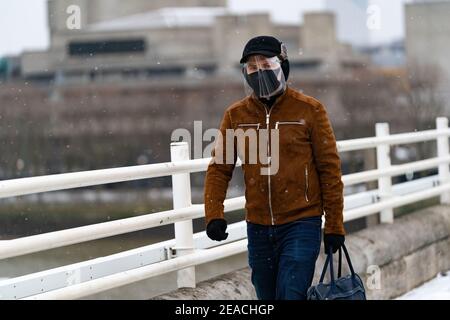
x=283, y=257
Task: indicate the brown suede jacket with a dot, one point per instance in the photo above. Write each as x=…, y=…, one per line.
x=308, y=177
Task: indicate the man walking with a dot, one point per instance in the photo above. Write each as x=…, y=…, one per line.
x=284, y=203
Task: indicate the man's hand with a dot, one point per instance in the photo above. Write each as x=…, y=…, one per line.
x=216, y=229
x=335, y=241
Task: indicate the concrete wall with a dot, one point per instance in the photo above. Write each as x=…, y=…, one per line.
x=231, y=33
x=290, y=35
x=319, y=34
x=409, y=252
x=57, y=15
x=166, y=47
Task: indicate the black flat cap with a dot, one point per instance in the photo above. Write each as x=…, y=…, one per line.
x=265, y=45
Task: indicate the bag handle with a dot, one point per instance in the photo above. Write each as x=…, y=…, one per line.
x=329, y=260
x=340, y=263
x=324, y=269
x=347, y=257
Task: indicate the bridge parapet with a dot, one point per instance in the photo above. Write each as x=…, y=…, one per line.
x=391, y=258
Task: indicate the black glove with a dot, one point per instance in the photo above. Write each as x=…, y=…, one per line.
x=216, y=229
x=335, y=241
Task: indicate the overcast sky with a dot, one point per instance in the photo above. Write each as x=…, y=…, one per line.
x=23, y=23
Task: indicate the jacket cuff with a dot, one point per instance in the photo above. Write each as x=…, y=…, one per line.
x=334, y=229
x=208, y=218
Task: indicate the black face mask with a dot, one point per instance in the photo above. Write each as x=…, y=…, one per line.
x=264, y=83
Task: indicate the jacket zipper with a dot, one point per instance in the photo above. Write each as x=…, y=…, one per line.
x=307, y=183
x=269, y=156
x=268, y=152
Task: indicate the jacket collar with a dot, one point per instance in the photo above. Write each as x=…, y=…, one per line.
x=279, y=100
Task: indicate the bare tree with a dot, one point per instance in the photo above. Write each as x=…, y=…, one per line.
x=366, y=99
x=420, y=92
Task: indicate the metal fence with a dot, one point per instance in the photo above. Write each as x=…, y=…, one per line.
x=187, y=250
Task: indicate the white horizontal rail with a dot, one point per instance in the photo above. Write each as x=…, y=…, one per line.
x=56, y=239
x=393, y=139
x=24, y=186
x=127, y=277
x=393, y=170
x=395, y=201
x=369, y=197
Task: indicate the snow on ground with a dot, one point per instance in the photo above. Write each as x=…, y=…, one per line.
x=436, y=289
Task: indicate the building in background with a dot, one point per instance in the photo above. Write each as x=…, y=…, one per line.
x=10, y=68
x=140, y=39
x=428, y=35
x=427, y=43
x=351, y=18
x=387, y=55
x=187, y=52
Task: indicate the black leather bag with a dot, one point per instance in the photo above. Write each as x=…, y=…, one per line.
x=349, y=287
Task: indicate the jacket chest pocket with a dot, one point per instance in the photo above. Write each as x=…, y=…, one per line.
x=293, y=133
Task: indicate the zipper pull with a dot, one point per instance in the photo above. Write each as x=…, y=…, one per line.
x=267, y=120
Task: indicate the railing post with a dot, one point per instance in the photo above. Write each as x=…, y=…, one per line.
x=181, y=188
x=384, y=162
x=442, y=151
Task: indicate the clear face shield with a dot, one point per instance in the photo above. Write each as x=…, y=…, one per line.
x=264, y=76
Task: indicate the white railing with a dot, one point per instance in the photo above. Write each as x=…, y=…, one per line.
x=187, y=250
